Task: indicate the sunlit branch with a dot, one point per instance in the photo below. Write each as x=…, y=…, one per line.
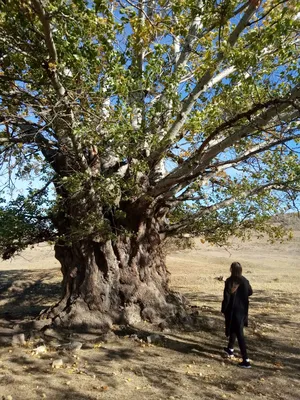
x=51, y=69
x=189, y=102
x=198, y=162
x=181, y=225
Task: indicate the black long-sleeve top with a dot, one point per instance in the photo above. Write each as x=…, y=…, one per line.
x=236, y=303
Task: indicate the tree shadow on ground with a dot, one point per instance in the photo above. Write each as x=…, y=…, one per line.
x=115, y=367
x=203, y=352
x=36, y=370
x=22, y=295
x=273, y=349
x=279, y=297
x=200, y=344
x=208, y=300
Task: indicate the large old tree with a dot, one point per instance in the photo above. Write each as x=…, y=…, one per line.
x=144, y=119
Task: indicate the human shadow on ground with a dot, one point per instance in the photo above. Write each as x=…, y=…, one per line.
x=203, y=342
x=274, y=349
x=113, y=365
x=204, y=351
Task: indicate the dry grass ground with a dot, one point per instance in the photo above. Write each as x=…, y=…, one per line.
x=184, y=365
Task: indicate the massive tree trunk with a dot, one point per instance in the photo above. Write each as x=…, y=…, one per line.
x=114, y=282
x=112, y=261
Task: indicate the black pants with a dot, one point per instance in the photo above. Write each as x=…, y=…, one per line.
x=237, y=332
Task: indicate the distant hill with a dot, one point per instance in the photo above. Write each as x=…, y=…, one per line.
x=290, y=220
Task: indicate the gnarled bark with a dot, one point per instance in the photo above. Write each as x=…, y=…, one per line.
x=114, y=282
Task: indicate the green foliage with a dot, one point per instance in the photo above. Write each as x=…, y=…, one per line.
x=95, y=96
x=23, y=222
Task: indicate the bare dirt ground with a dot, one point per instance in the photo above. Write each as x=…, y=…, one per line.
x=179, y=364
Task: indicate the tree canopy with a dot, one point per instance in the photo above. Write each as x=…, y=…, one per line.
x=185, y=110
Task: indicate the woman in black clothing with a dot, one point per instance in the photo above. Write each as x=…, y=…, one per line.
x=235, y=308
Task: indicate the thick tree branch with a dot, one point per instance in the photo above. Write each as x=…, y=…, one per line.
x=29, y=133
x=181, y=225
x=224, y=165
x=252, y=152
x=191, y=38
x=65, y=114
x=219, y=166
x=196, y=164
x=195, y=35
x=230, y=123
x=268, y=12
x=45, y=18
x=189, y=102
x=51, y=65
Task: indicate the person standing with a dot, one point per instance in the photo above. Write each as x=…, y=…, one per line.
x=235, y=306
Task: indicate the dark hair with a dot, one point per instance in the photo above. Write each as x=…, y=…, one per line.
x=236, y=270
